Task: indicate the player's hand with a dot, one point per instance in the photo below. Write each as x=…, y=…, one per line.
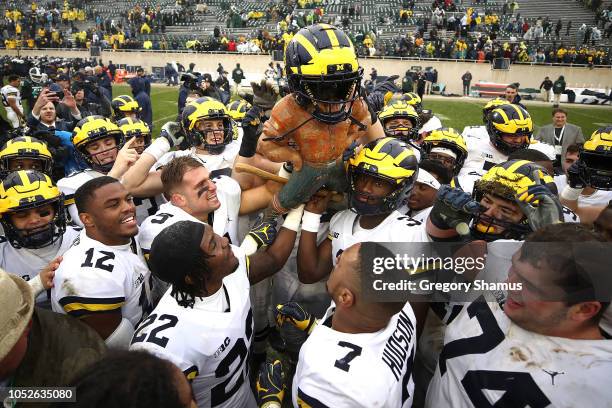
x=577, y=175
x=251, y=127
x=540, y=206
x=318, y=202
x=263, y=232
x=453, y=208
x=351, y=151
x=126, y=157
x=270, y=386
x=293, y=313
x=172, y=132
x=264, y=94
x=47, y=274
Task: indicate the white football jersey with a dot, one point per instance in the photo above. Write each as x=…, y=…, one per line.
x=167, y=215
x=489, y=361
x=337, y=369
x=482, y=155
x=28, y=263
x=211, y=345
x=344, y=231
x=10, y=92
x=224, y=160
x=94, y=277
x=432, y=124
x=145, y=206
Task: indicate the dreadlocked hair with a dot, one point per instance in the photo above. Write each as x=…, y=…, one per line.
x=186, y=294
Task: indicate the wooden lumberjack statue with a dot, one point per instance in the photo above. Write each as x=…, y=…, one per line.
x=321, y=117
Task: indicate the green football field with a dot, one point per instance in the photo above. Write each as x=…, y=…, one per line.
x=454, y=112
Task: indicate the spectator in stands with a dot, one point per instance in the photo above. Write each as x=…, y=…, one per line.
x=545, y=88
x=467, y=79
x=144, y=100
x=560, y=133
x=558, y=89
x=558, y=29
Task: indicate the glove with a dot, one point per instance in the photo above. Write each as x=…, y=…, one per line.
x=263, y=232
x=540, y=206
x=264, y=94
x=577, y=175
x=350, y=151
x=251, y=127
x=376, y=103
x=172, y=132
x=270, y=387
x=386, y=86
x=293, y=313
x=453, y=207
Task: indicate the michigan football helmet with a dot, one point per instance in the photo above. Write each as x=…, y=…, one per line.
x=400, y=110
x=125, y=105
x=25, y=147
x=411, y=98
x=203, y=109
x=489, y=106
x=135, y=128
x=322, y=68
x=445, y=138
x=237, y=110
x=91, y=129
x=596, y=155
x=509, y=120
x=504, y=181
x=389, y=160
x=25, y=190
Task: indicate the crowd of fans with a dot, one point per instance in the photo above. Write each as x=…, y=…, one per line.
x=444, y=32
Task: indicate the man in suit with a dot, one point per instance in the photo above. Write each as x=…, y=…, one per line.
x=560, y=134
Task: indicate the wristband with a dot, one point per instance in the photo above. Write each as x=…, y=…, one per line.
x=293, y=218
x=36, y=285
x=570, y=193
x=311, y=222
x=249, y=245
x=283, y=172
x=158, y=148
x=271, y=404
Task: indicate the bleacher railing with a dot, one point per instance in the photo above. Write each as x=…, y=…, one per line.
x=382, y=57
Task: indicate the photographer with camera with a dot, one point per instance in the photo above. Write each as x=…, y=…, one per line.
x=86, y=107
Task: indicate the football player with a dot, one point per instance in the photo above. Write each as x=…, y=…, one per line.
x=100, y=143
x=543, y=345
x=11, y=100
x=509, y=128
x=431, y=176
x=511, y=200
x=204, y=324
x=33, y=217
x=480, y=132
x=103, y=278
x=589, y=178
x=138, y=129
x=381, y=176
x=124, y=106
x=210, y=130
x=429, y=121
x=446, y=146
x=25, y=153
x=401, y=121
x=360, y=353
